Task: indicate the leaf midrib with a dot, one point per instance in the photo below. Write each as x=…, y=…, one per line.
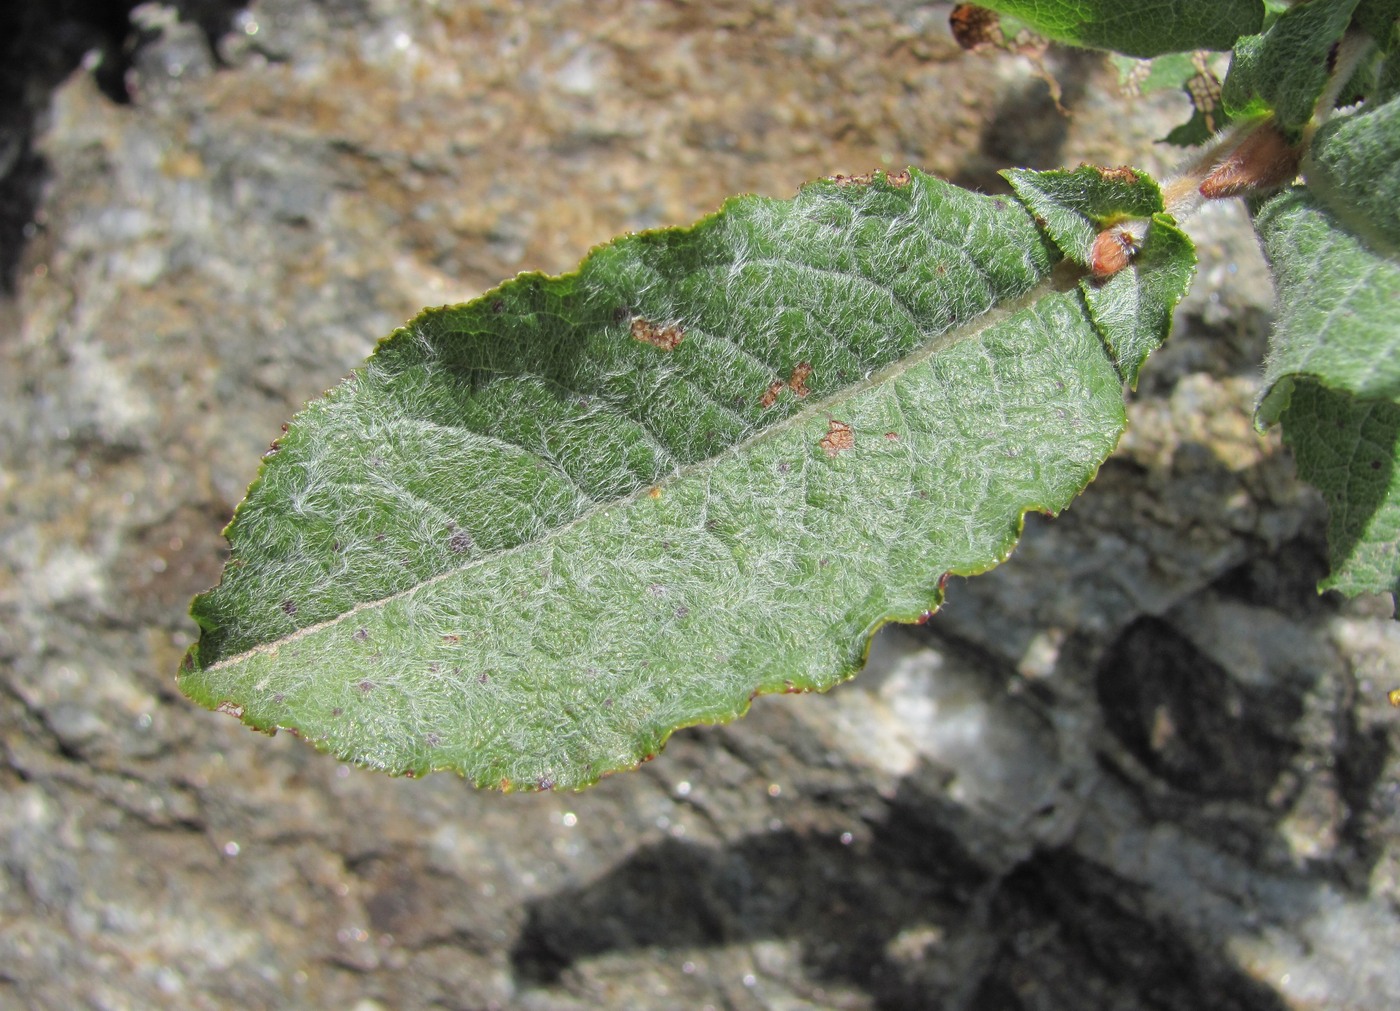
x=941, y=342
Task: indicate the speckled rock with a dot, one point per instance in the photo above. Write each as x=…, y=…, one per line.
x=1142, y=765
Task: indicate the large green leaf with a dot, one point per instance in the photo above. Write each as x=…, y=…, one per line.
x=539, y=531
x=1169, y=26
x=1333, y=375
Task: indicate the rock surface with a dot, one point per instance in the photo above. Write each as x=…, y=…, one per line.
x=1142, y=765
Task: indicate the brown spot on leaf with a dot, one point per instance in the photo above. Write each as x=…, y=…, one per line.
x=361, y=634
x=1121, y=174
x=230, y=708
x=838, y=438
x=797, y=382
x=895, y=179
x=974, y=27
x=452, y=640
x=654, y=491
x=289, y=606
x=459, y=542
x=664, y=337
x=770, y=395
x=892, y=436
x=366, y=686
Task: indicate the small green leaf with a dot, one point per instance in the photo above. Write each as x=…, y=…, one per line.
x=1160, y=74
x=1133, y=308
x=1196, y=130
x=538, y=532
x=1171, y=26
x=1074, y=206
x=1285, y=70
x=1190, y=72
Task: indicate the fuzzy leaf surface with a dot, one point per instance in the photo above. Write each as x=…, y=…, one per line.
x=1333, y=376
x=1171, y=26
x=1075, y=206
x=1133, y=308
x=539, y=531
x=1285, y=69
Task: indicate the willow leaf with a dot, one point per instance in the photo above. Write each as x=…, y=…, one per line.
x=539, y=531
x=1333, y=375
x=1170, y=26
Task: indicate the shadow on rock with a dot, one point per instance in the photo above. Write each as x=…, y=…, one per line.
x=910, y=916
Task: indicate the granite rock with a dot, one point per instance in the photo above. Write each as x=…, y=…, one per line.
x=1142, y=765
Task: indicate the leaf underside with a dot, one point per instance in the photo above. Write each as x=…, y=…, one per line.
x=538, y=532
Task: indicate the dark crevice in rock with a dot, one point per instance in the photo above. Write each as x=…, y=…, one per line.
x=1185, y=719
x=1076, y=935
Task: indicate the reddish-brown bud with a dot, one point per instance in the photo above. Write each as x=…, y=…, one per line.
x=1262, y=161
x=1112, y=250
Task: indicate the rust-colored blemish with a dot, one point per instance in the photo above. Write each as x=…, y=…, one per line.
x=892, y=436
x=797, y=382
x=663, y=336
x=770, y=395
x=895, y=179
x=654, y=491
x=839, y=437
x=974, y=27
x=1121, y=174
x=452, y=640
